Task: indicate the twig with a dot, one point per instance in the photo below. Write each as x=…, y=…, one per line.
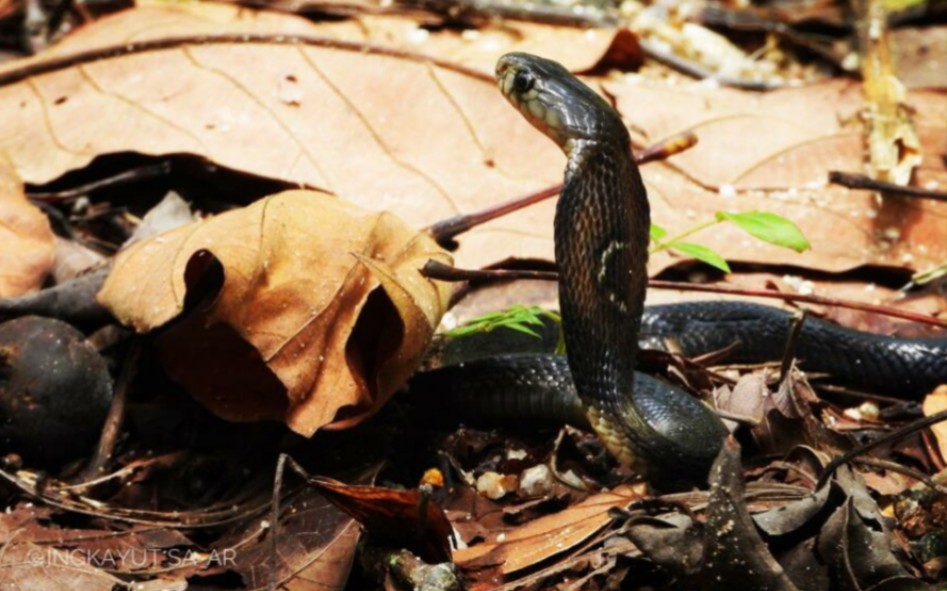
x=695, y=70
x=442, y=272
x=273, y=582
x=669, y=146
x=484, y=9
x=56, y=64
x=122, y=178
x=789, y=353
x=445, y=231
x=907, y=471
x=113, y=423
x=862, y=181
x=798, y=297
x=914, y=427
x=438, y=270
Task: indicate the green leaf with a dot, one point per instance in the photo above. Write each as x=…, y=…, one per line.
x=657, y=232
x=768, y=227
x=703, y=254
x=518, y=318
x=522, y=328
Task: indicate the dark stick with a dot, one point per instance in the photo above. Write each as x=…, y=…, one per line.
x=445, y=231
x=442, y=272
x=861, y=181
x=116, y=416
x=114, y=51
x=789, y=353
x=122, y=178
x=695, y=70
x=832, y=466
x=273, y=583
x=908, y=471
x=438, y=270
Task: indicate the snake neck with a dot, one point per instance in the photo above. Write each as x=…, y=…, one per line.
x=601, y=236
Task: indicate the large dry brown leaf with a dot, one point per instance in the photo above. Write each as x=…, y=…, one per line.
x=26, y=241
x=322, y=308
x=428, y=141
x=387, y=132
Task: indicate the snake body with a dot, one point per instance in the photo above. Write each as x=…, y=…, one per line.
x=896, y=366
x=601, y=238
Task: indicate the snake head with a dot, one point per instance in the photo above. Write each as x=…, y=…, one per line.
x=555, y=102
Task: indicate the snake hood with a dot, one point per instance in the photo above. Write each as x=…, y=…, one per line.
x=556, y=102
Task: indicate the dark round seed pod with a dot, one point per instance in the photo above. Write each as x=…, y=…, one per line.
x=55, y=391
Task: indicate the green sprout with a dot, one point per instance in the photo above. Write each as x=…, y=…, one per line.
x=762, y=225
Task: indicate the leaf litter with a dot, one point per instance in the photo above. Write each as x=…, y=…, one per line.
x=223, y=300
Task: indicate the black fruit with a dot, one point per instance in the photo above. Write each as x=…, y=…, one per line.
x=55, y=391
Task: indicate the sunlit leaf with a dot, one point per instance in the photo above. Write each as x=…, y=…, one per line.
x=657, y=232
x=768, y=227
x=702, y=254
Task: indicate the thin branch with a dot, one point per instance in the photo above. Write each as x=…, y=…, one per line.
x=135, y=47
x=123, y=178
x=865, y=182
x=789, y=353
x=116, y=415
x=438, y=270
x=695, y=70
x=442, y=272
x=889, y=438
x=445, y=231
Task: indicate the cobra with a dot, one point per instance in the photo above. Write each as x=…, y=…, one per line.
x=601, y=237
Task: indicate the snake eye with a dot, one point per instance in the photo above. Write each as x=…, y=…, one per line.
x=522, y=82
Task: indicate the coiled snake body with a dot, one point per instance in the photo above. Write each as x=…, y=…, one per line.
x=601, y=245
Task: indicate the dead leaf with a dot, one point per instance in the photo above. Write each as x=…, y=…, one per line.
x=31, y=566
x=322, y=308
x=859, y=553
x=72, y=259
x=408, y=519
x=360, y=124
x=548, y=536
x=725, y=552
x=315, y=547
x=934, y=403
x=735, y=552
x=26, y=240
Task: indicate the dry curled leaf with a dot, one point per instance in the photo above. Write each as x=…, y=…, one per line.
x=26, y=241
x=321, y=315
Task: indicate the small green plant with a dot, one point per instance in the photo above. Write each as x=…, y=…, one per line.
x=518, y=318
x=763, y=225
